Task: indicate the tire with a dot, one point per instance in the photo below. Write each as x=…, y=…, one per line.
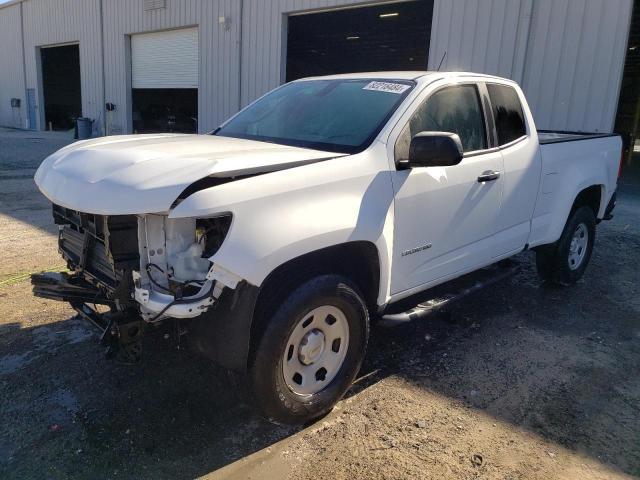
x=318, y=323
x=565, y=261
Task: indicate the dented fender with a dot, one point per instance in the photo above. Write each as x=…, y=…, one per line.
x=282, y=215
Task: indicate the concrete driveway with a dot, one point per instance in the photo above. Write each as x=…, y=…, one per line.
x=519, y=381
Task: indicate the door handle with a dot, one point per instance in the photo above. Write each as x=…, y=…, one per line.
x=488, y=176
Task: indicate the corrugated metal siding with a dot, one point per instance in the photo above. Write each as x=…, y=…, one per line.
x=569, y=58
x=567, y=54
x=218, y=56
x=11, y=72
x=219, y=63
x=126, y=17
x=575, y=62
x=49, y=22
x=479, y=35
x=263, y=50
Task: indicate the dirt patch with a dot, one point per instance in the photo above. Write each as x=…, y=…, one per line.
x=404, y=430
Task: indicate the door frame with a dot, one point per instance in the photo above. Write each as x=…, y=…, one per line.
x=40, y=110
x=394, y=132
x=127, y=127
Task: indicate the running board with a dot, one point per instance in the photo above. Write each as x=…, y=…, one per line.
x=444, y=295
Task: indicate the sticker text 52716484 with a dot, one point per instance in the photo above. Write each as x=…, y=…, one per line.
x=388, y=87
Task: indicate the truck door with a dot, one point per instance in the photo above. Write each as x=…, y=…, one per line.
x=520, y=153
x=445, y=217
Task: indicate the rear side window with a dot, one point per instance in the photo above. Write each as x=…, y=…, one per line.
x=452, y=109
x=507, y=112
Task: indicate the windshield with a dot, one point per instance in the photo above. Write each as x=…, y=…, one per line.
x=334, y=115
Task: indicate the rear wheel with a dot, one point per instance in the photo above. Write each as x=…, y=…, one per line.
x=310, y=351
x=565, y=261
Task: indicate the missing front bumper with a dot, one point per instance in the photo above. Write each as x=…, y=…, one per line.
x=120, y=334
x=120, y=331
x=68, y=288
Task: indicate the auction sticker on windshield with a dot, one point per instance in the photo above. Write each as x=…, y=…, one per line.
x=389, y=87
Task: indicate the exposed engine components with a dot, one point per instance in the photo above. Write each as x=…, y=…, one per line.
x=211, y=233
x=189, y=264
x=176, y=275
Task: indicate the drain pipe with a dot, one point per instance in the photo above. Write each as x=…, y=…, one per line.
x=24, y=74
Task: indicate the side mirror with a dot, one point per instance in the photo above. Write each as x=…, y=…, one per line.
x=434, y=149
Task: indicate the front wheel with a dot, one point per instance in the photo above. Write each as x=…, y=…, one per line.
x=310, y=351
x=565, y=261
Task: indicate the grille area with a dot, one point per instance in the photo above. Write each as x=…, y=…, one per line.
x=103, y=248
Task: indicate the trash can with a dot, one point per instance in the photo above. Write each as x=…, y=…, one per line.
x=85, y=127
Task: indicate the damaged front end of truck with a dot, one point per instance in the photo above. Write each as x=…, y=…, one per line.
x=130, y=274
x=143, y=239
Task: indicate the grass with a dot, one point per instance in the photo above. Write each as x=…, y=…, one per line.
x=22, y=276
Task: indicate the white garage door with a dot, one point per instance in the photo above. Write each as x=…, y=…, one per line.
x=165, y=59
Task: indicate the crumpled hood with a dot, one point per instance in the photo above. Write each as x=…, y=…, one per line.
x=131, y=174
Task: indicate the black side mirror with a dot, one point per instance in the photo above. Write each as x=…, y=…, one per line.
x=434, y=149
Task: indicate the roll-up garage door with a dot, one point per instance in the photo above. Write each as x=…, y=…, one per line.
x=166, y=59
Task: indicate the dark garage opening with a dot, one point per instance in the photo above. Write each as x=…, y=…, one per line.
x=157, y=110
x=61, y=86
x=393, y=36
x=628, y=112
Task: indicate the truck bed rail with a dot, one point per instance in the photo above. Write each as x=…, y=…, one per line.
x=561, y=136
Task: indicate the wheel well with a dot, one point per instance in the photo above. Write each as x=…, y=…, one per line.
x=589, y=197
x=358, y=261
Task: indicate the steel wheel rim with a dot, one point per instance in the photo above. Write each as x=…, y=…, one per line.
x=315, y=350
x=578, y=246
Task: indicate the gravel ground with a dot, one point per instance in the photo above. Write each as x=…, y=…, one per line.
x=26, y=226
x=519, y=381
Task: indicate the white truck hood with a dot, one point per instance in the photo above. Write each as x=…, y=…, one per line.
x=132, y=174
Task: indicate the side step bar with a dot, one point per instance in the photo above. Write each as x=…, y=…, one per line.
x=450, y=292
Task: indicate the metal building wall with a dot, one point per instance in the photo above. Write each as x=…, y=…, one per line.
x=264, y=40
x=51, y=22
x=218, y=57
x=575, y=62
x=11, y=71
x=487, y=36
x=568, y=55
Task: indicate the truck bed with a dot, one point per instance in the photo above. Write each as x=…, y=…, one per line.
x=558, y=136
x=568, y=167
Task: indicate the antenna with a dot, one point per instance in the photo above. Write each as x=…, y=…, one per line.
x=442, y=60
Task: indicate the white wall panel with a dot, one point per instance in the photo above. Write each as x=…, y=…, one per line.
x=11, y=71
x=575, y=61
x=479, y=35
x=567, y=54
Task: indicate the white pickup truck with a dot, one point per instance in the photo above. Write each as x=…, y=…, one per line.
x=271, y=242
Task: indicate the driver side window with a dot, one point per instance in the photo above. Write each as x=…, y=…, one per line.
x=451, y=109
